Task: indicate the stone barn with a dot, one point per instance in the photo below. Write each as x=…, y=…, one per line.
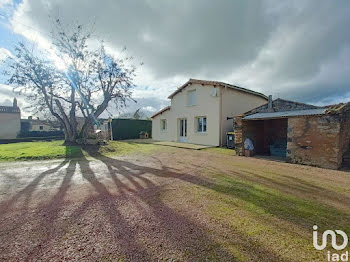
x=297, y=132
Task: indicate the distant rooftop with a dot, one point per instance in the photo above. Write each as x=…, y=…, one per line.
x=9, y=109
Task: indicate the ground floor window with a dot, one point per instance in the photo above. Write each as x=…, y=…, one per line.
x=163, y=124
x=201, y=124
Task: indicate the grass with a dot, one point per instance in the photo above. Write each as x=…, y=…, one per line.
x=267, y=212
x=221, y=150
x=255, y=209
x=56, y=150
x=37, y=150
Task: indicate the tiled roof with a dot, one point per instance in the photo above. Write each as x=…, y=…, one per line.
x=161, y=111
x=41, y=122
x=9, y=109
x=216, y=83
x=286, y=114
x=338, y=108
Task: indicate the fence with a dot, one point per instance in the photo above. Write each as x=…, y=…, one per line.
x=130, y=128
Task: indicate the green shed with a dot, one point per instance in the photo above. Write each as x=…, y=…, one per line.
x=130, y=128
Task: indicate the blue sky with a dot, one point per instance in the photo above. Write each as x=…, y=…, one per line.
x=291, y=49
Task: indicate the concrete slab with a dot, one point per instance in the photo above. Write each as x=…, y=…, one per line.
x=181, y=145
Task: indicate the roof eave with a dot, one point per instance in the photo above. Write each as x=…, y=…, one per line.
x=161, y=111
x=222, y=84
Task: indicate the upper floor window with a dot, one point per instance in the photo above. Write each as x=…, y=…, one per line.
x=163, y=124
x=41, y=127
x=201, y=124
x=191, y=98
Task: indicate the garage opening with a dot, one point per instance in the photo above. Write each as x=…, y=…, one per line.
x=269, y=136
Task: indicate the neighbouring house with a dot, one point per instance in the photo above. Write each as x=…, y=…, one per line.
x=299, y=133
x=10, y=121
x=199, y=112
x=30, y=124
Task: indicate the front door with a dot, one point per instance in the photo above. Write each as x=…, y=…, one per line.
x=183, y=130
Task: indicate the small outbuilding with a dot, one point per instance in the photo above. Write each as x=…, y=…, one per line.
x=297, y=132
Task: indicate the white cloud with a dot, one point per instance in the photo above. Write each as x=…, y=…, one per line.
x=4, y=54
x=289, y=48
x=5, y=2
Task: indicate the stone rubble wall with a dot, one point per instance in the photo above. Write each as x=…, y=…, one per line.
x=315, y=141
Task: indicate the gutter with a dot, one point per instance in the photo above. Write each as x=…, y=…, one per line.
x=220, y=128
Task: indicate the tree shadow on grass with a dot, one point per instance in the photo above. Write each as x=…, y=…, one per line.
x=183, y=233
x=295, y=186
x=50, y=227
x=300, y=211
x=172, y=233
x=178, y=234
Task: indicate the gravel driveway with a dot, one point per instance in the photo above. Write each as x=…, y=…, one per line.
x=170, y=205
x=105, y=209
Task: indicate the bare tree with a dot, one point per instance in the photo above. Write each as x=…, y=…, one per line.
x=90, y=82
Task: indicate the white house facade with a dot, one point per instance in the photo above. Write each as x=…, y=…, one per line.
x=10, y=121
x=199, y=110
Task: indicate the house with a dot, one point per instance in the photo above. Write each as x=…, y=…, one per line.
x=199, y=112
x=10, y=121
x=30, y=124
x=298, y=132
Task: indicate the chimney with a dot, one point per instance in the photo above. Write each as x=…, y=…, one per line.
x=269, y=105
x=15, y=103
x=30, y=117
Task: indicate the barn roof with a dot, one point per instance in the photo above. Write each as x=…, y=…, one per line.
x=286, y=114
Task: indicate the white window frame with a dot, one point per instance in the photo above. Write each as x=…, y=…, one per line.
x=198, y=119
x=161, y=125
x=191, y=97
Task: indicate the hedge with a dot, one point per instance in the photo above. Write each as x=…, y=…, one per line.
x=24, y=134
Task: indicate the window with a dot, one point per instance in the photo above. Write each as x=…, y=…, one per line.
x=201, y=124
x=41, y=127
x=191, y=98
x=163, y=124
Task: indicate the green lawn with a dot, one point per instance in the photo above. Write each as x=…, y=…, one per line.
x=56, y=149
x=221, y=150
x=266, y=209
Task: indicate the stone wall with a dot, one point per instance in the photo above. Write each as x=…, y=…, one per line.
x=319, y=140
x=344, y=139
x=315, y=140
x=238, y=131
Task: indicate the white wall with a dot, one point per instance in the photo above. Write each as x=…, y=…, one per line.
x=157, y=133
x=234, y=103
x=10, y=125
x=206, y=105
